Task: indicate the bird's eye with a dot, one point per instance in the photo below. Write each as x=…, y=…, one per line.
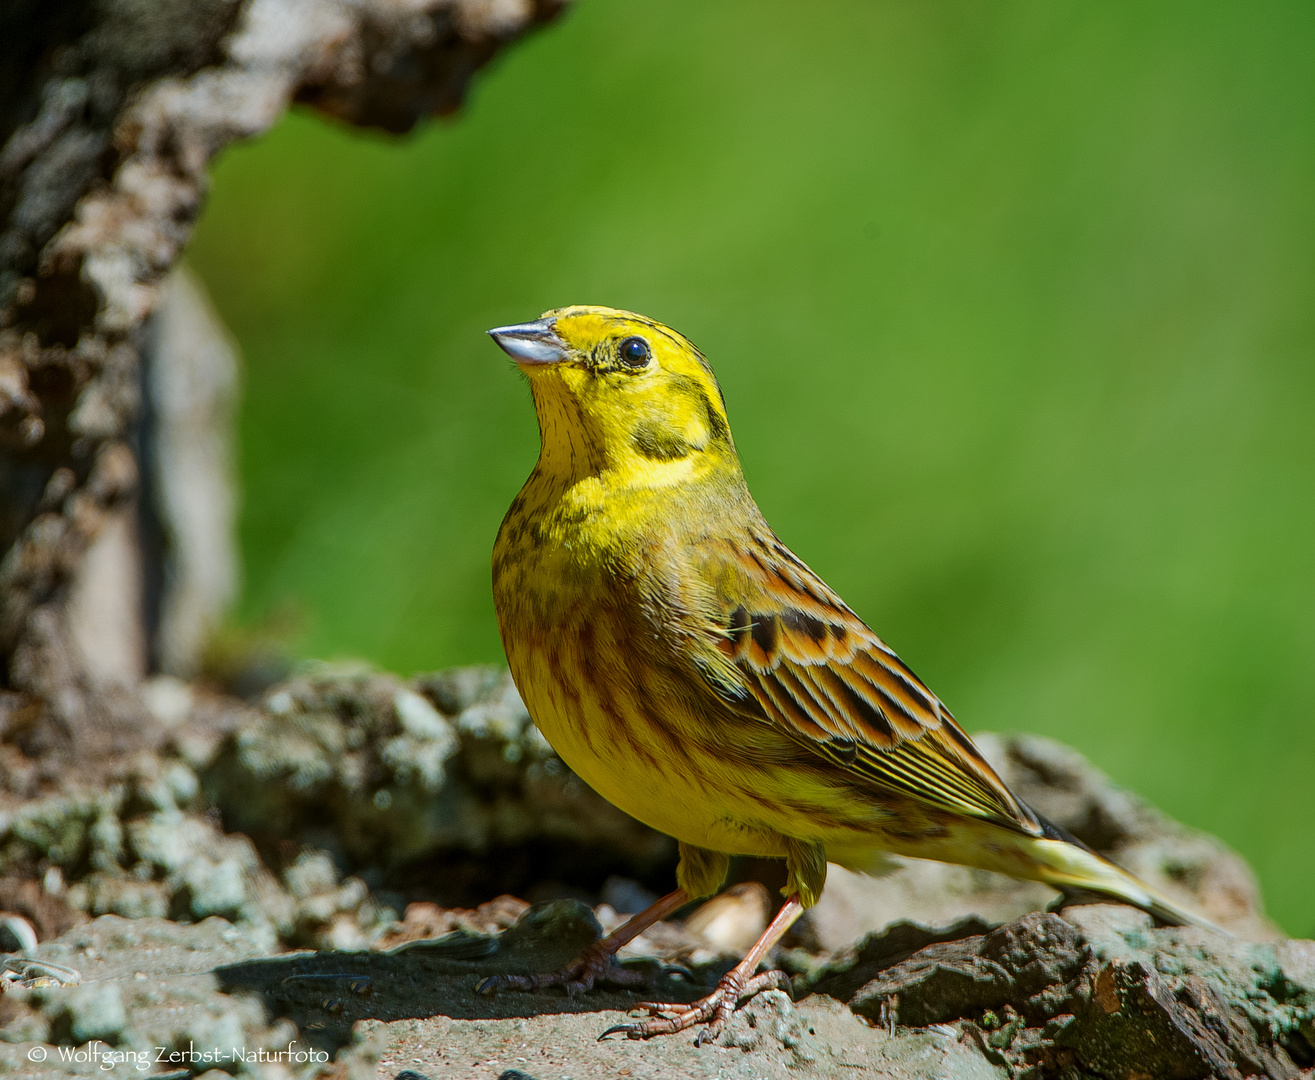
x=634, y=352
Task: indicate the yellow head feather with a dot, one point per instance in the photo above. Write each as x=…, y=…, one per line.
x=629, y=396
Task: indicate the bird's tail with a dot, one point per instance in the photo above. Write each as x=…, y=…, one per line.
x=1069, y=865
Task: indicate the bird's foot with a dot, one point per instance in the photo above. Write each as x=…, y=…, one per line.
x=595, y=966
x=714, y=1010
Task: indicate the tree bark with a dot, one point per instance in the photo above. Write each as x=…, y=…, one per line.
x=110, y=112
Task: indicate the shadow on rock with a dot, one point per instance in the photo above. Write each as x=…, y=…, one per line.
x=325, y=993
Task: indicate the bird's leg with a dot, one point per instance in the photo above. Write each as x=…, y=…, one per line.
x=598, y=962
x=717, y=1007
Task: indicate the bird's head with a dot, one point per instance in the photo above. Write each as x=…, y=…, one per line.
x=617, y=391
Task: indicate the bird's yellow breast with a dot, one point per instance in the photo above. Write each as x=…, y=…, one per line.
x=589, y=652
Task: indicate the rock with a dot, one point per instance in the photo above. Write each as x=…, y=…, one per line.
x=340, y=768
x=913, y=890
x=41, y=903
x=1094, y=991
x=770, y=1019
x=144, y=983
x=357, y=754
x=1036, y=957
x=546, y=937
x=16, y=934
x=360, y=791
x=1136, y=1024
x=396, y=772
x=424, y=991
x=1098, y=987
x=625, y=895
x=846, y=973
x=733, y=920
x=328, y=864
x=79, y=1014
x=431, y=921
x=109, y=894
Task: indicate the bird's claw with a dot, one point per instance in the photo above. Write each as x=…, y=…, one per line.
x=715, y=1010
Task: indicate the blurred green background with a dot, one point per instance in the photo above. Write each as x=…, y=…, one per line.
x=1014, y=309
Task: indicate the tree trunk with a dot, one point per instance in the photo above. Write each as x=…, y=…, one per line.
x=115, y=505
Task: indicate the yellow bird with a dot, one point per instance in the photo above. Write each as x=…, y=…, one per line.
x=693, y=671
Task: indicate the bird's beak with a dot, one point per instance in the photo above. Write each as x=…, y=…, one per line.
x=531, y=344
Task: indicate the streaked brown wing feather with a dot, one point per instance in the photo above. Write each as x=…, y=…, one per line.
x=814, y=668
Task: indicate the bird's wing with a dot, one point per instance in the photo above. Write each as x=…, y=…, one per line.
x=811, y=666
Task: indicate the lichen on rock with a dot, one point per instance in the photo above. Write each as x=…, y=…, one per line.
x=344, y=808
x=1098, y=989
